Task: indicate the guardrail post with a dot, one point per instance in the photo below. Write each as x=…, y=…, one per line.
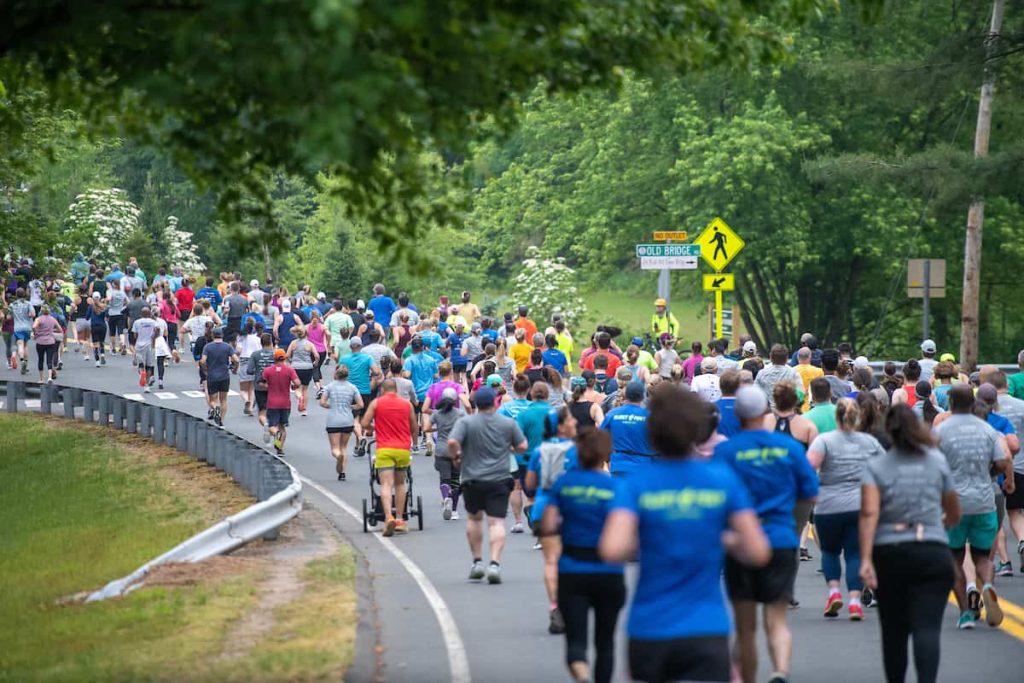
x=184, y=429
x=157, y=421
x=89, y=406
x=11, y=397
x=77, y=394
x=131, y=416
x=55, y=397
x=196, y=446
x=103, y=409
x=171, y=428
x=250, y=475
x=44, y=398
x=69, y=404
x=145, y=421
x=117, y=411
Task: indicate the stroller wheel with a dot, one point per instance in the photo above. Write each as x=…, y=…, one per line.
x=366, y=528
x=419, y=512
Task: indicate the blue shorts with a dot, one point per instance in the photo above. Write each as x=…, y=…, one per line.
x=978, y=530
x=22, y=335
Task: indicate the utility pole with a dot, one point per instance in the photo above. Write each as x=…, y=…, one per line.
x=976, y=213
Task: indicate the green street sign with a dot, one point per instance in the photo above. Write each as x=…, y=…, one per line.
x=645, y=250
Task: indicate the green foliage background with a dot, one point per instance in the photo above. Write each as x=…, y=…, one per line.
x=837, y=149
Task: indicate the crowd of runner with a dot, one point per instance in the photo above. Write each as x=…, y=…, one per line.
x=696, y=464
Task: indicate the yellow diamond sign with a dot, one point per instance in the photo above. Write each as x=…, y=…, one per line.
x=719, y=245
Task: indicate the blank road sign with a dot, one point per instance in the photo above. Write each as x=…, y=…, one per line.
x=936, y=278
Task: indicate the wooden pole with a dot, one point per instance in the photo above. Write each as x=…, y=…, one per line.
x=976, y=213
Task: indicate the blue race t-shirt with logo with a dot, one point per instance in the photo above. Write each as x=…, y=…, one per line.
x=774, y=468
x=728, y=423
x=583, y=498
x=682, y=508
x=555, y=359
x=630, y=448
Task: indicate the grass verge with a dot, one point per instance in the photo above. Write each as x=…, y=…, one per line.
x=83, y=506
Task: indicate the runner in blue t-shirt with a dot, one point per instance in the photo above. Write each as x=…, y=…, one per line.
x=519, y=403
x=775, y=470
x=581, y=499
x=676, y=512
x=627, y=425
x=553, y=457
x=552, y=356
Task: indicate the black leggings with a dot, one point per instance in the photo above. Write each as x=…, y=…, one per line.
x=577, y=595
x=172, y=334
x=47, y=352
x=914, y=580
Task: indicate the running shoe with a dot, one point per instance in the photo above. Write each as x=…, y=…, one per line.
x=966, y=620
x=1004, y=569
x=97, y=363
x=247, y=410
x=477, y=571
x=974, y=602
x=993, y=612
x=103, y=358
x=455, y=515
x=1020, y=555
x=537, y=545
x=360, y=450
x=833, y=605
x=430, y=448
x=494, y=573
x=145, y=389
x=160, y=386
x=856, y=612
x=805, y=555
x=266, y=434
x=209, y=414
x=556, y=624
x=24, y=366
x=389, y=528
x=319, y=393
x=60, y=365
x=216, y=416
x=401, y=527
x=341, y=476
x=517, y=528
x=124, y=351
x=793, y=603
x=867, y=598
x=446, y=509
x=278, y=446
x=778, y=678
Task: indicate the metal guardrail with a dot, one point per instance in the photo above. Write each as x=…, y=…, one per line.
x=272, y=481
x=879, y=366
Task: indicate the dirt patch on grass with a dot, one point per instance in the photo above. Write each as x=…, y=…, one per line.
x=192, y=573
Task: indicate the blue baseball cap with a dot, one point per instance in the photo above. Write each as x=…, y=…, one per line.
x=485, y=397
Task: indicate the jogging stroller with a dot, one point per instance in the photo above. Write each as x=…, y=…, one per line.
x=373, y=510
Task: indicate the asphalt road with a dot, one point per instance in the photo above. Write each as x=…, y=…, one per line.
x=502, y=630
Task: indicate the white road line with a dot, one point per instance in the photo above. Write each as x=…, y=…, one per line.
x=194, y=394
x=232, y=392
x=165, y=395
x=32, y=402
x=458, y=664
x=135, y=397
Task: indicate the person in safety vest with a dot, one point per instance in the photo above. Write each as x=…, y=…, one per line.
x=663, y=320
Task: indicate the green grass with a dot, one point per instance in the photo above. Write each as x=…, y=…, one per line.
x=81, y=508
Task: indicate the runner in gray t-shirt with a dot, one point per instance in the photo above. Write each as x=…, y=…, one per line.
x=481, y=444
x=975, y=452
x=344, y=403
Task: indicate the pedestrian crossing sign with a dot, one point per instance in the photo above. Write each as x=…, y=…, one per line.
x=719, y=245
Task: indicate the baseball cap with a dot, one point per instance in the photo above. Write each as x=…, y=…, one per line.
x=635, y=391
x=355, y=342
x=450, y=394
x=493, y=380
x=360, y=304
x=218, y=332
x=321, y=296
x=749, y=347
x=660, y=302
x=577, y=383
x=286, y=306
x=987, y=393
x=485, y=397
x=928, y=346
x=708, y=364
x=637, y=341
x=750, y=403
x=860, y=362
x=947, y=357
x=279, y=354
x=475, y=327
x=254, y=283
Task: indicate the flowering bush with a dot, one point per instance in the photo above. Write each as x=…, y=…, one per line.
x=548, y=286
x=98, y=223
x=180, y=251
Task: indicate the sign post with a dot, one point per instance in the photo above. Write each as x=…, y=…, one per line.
x=719, y=245
x=664, y=279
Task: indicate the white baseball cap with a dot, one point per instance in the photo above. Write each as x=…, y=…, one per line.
x=321, y=296
x=254, y=283
x=750, y=347
x=286, y=306
x=928, y=346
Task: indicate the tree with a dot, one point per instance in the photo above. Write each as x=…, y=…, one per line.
x=99, y=223
x=548, y=286
x=179, y=249
x=238, y=91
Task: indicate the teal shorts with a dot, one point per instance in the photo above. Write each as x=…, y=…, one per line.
x=978, y=530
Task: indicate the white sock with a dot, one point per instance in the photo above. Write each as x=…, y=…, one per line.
x=834, y=591
x=854, y=601
x=972, y=587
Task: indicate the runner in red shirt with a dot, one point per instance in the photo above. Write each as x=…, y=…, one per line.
x=393, y=420
x=281, y=381
x=185, y=298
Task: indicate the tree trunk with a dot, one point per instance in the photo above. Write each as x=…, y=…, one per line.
x=976, y=213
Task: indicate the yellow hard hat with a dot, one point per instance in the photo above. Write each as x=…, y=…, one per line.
x=660, y=302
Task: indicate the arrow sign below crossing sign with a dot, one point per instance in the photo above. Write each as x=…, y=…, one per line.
x=720, y=282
